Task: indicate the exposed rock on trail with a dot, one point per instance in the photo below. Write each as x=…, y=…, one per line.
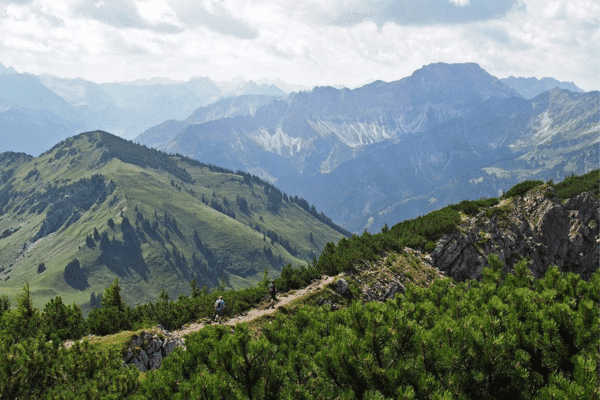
x=387, y=277
x=147, y=350
x=537, y=226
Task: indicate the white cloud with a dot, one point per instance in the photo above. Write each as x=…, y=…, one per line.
x=115, y=40
x=459, y=3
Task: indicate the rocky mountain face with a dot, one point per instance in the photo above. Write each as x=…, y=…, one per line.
x=314, y=132
x=225, y=108
x=481, y=154
x=387, y=152
x=537, y=226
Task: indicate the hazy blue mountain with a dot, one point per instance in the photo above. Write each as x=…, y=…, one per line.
x=375, y=154
x=480, y=154
x=252, y=88
x=26, y=91
x=32, y=131
x=7, y=70
x=264, y=86
x=164, y=101
x=531, y=87
x=32, y=117
x=126, y=109
x=129, y=108
x=161, y=134
x=99, y=107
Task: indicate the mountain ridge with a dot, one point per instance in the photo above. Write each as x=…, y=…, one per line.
x=120, y=210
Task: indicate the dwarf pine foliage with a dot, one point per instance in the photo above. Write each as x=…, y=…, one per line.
x=506, y=336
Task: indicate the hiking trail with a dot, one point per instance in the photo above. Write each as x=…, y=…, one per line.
x=283, y=300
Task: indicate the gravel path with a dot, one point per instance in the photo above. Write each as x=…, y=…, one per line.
x=252, y=314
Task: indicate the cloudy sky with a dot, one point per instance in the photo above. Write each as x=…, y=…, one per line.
x=310, y=42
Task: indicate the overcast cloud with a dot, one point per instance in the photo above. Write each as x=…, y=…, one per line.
x=311, y=42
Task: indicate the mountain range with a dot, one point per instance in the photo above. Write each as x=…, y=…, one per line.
x=386, y=152
x=37, y=112
x=96, y=207
x=373, y=155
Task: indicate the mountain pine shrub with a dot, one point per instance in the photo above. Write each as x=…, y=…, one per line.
x=506, y=336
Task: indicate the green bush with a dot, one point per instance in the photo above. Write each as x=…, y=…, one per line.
x=62, y=321
x=472, y=208
x=522, y=188
x=575, y=185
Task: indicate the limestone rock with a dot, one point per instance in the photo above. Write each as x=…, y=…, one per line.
x=543, y=229
x=155, y=360
x=128, y=356
x=141, y=361
x=154, y=345
x=341, y=286
x=170, y=345
x=152, y=349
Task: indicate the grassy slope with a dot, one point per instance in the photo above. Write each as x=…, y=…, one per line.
x=154, y=192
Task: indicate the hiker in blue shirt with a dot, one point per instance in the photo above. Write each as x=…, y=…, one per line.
x=219, y=307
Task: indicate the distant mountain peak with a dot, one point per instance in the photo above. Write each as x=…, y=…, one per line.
x=7, y=70
x=532, y=87
x=151, y=81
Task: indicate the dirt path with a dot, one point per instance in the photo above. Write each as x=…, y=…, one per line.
x=255, y=313
x=283, y=299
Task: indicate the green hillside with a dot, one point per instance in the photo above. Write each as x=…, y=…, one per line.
x=96, y=207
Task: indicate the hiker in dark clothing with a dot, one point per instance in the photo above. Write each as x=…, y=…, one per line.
x=272, y=290
x=219, y=307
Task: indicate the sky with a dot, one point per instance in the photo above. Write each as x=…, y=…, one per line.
x=307, y=42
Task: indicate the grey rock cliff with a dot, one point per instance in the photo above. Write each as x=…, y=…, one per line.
x=147, y=350
x=538, y=226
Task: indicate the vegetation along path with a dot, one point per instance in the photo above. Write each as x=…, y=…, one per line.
x=283, y=300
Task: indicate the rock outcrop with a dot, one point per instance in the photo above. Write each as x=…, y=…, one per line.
x=539, y=227
x=147, y=350
x=386, y=278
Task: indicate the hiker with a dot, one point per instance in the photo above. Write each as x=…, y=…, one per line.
x=272, y=290
x=219, y=307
